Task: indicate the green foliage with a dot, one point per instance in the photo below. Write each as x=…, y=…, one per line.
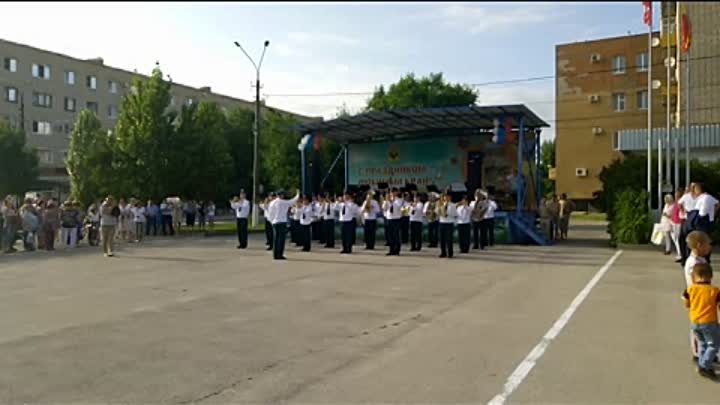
x=87, y=160
x=18, y=162
x=627, y=173
x=630, y=222
x=199, y=156
x=547, y=160
x=239, y=138
x=429, y=91
x=279, y=156
x=143, y=134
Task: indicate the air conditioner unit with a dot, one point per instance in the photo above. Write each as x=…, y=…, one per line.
x=581, y=172
x=594, y=58
x=594, y=98
x=597, y=131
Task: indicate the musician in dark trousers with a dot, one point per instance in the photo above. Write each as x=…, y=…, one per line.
x=306, y=220
x=348, y=215
x=463, y=225
x=477, y=208
x=430, y=211
x=405, y=219
x=242, y=209
x=316, y=222
x=416, y=224
x=279, y=213
x=268, y=221
x=370, y=210
x=328, y=216
x=487, y=227
x=447, y=213
x=393, y=213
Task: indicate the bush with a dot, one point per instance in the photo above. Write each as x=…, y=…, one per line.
x=630, y=222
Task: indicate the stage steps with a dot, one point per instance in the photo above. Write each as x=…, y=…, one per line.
x=524, y=229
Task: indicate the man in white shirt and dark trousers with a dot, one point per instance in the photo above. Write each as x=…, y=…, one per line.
x=447, y=213
x=268, y=224
x=688, y=215
x=393, y=215
x=348, y=215
x=306, y=220
x=242, y=210
x=279, y=216
x=463, y=225
x=416, y=224
x=487, y=226
x=370, y=210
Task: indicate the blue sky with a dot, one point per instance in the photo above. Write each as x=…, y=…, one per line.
x=327, y=47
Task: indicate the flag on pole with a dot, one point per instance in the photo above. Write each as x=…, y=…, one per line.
x=647, y=13
x=684, y=29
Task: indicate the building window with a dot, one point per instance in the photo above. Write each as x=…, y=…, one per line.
x=172, y=101
x=67, y=128
x=70, y=104
x=41, y=128
x=189, y=101
x=92, y=106
x=641, y=62
x=642, y=100
x=618, y=102
x=42, y=100
x=41, y=71
x=11, y=119
x=11, y=94
x=618, y=65
x=616, y=140
x=69, y=78
x=11, y=64
x=45, y=156
x=112, y=86
x=91, y=82
x=112, y=111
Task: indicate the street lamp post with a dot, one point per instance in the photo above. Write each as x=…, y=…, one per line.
x=256, y=130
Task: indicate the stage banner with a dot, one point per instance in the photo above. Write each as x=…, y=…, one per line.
x=438, y=161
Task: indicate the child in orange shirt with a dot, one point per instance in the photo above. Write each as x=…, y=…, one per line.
x=702, y=299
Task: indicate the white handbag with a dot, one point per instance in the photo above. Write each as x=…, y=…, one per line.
x=657, y=234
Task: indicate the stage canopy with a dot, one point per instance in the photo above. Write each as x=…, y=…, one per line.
x=414, y=122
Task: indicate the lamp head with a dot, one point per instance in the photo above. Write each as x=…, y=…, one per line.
x=267, y=43
x=237, y=44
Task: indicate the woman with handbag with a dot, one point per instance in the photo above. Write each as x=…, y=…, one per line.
x=666, y=225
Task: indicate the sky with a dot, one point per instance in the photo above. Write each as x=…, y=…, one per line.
x=321, y=48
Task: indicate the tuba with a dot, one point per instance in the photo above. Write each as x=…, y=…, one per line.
x=431, y=209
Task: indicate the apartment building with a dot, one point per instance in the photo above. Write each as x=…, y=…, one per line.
x=600, y=89
x=42, y=91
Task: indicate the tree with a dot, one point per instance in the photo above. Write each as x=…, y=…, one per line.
x=199, y=154
x=89, y=159
x=547, y=160
x=279, y=156
x=430, y=91
x=143, y=133
x=18, y=162
x=239, y=138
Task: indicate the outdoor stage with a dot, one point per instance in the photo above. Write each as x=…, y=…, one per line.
x=464, y=148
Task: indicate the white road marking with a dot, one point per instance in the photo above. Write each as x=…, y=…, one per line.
x=523, y=369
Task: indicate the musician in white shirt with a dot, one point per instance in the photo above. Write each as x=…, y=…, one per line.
x=370, y=210
x=348, y=215
x=328, y=215
x=393, y=215
x=417, y=217
x=242, y=210
x=316, y=222
x=487, y=228
x=268, y=221
x=405, y=219
x=430, y=212
x=477, y=212
x=279, y=213
x=447, y=213
x=306, y=219
x=463, y=225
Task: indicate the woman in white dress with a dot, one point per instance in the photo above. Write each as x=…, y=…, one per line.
x=666, y=224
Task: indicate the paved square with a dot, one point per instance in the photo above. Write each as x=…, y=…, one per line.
x=196, y=320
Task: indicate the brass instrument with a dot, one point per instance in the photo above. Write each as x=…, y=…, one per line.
x=442, y=207
x=432, y=208
x=368, y=201
x=478, y=211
